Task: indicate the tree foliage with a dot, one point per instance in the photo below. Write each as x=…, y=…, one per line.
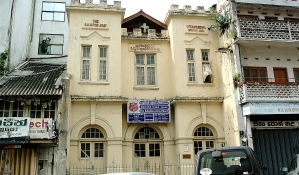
x=223, y=22
x=3, y=57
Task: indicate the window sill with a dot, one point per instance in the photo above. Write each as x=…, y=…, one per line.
x=202, y=84
x=93, y=83
x=145, y=88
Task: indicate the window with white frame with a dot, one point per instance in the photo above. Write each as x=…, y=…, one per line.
x=50, y=44
x=203, y=139
x=85, y=63
x=191, y=66
x=206, y=67
x=145, y=69
x=53, y=11
x=103, y=64
x=92, y=143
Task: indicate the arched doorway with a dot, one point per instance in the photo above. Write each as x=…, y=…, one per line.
x=148, y=150
x=92, y=150
x=204, y=138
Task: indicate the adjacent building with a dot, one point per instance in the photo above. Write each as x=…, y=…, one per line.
x=263, y=42
x=33, y=87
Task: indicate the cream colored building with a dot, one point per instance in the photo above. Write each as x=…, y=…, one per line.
x=115, y=62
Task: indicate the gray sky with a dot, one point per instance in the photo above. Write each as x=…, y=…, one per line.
x=159, y=8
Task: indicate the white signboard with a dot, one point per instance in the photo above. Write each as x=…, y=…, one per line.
x=14, y=127
x=148, y=111
x=274, y=124
x=41, y=128
x=270, y=108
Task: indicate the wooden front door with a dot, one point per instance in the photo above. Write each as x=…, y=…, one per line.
x=280, y=75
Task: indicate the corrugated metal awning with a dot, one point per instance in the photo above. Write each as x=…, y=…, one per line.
x=32, y=79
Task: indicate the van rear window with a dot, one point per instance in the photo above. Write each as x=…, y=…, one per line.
x=230, y=163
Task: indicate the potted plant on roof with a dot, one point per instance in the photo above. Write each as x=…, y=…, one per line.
x=236, y=79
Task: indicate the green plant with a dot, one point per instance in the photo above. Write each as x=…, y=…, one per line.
x=236, y=77
x=234, y=35
x=223, y=22
x=3, y=57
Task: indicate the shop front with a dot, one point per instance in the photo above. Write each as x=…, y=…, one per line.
x=273, y=131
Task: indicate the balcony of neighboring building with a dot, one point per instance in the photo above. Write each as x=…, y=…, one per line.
x=269, y=29
x=255, y=86
x=262, y=21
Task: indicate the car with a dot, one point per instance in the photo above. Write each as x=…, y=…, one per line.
x=293, y=168
x=130, y=173
x=234, y=160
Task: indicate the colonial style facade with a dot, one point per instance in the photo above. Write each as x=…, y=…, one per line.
x=143, y=93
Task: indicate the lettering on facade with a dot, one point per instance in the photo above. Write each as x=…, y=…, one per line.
x=144, y=47
x=14, y=127
x=95, y=23
x=270, y=108
x=193, y=28
x=196, y=28
x=275, y=124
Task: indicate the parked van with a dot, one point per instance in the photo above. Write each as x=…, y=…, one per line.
x=236, y=160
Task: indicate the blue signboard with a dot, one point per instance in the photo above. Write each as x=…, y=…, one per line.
x=148, y=111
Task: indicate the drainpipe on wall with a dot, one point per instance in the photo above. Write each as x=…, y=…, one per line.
x=9, y=33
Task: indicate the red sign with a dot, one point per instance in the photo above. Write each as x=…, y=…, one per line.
x=133, y=106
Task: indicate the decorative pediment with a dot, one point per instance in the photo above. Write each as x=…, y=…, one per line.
x=197, y=39
x=95, y=34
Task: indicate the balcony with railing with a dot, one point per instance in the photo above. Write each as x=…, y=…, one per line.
x=269, y=90
x=150, y=34
x=268, y=29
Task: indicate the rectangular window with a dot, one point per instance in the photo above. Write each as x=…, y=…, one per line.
x=201, y=145
x=98, y=149
x=205, y=55
x=296, y=74
x=35, y=110
x=255, y=74
x=139, y=150
x=85, y=63
x=85, y=150
x=191, y=65
x=154, y=150
x=49, y=111
x=50, y=44
x=17, y=109
x=103, y=64
x=53, y=11
x=4, y=108
x=206, y=67
x=145, y=69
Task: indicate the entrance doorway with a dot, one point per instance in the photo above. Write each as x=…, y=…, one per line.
x=92, y=149
x=148, y=151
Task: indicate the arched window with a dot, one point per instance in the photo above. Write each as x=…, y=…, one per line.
x=203, y=139
x=151, y=148
x=92, y=143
